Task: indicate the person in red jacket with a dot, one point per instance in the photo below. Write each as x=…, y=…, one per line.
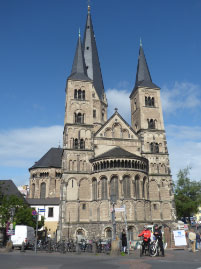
x=146, y=233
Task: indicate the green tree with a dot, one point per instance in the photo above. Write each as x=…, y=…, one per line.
x=22, y=212
x=187, y=194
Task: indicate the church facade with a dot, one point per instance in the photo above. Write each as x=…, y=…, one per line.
x=106, y=162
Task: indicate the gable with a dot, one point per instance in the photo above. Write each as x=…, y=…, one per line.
x=116, y=128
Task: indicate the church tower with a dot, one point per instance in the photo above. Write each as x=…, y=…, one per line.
x=85, y=113
x=147, y=121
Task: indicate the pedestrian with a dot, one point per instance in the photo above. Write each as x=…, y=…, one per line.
x=197, y=241
x=124, y=240
x=192, y=239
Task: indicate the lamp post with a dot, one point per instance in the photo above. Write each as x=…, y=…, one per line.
x=113, y=200
x=12, y=212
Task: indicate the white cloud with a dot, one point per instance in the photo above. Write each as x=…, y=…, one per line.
x=184, y=146
x=119, y=99
x=22, y=147
x=183, y=95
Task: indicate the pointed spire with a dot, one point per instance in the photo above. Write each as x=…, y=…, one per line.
x=91, y=56
x=143, y=73
x=140, y=42
x=143, y=77
x=79, y=71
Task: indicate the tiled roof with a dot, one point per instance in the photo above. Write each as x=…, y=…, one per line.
x=117, y=152
x=91, y=57
x=8, y=188
x=143, y=77
x=43, y=201
x=79, y=71
x=51, y=159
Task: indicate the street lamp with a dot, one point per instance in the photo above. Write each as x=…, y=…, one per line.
x=113, y=199
x=12, y=212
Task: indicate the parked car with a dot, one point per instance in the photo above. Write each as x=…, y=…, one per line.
x=22, y=234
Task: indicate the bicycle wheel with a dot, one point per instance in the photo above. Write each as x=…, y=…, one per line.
x=141, y=253
x=153, y=249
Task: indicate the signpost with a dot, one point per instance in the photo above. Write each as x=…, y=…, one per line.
x=120, y=209
x=35, y=213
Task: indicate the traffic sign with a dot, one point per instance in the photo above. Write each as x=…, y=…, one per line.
x=41, y=210
x=10, y=232
x=120, y=209
x=34, y=213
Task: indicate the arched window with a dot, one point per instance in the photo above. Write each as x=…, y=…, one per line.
x=149, y=101
x=156, y=148
x=144, y=187
x=83, y=95
x=137, y=187
x=81, y=232
x=76, y=143
x=152, y=147
x=79, y=94
x=82, y=144
x=146, y=102
x=151, y=124
x=126, y=187
x=79, y=118
x=104, y=188
x=114, y=190
x=108, y=233
x=75, y=94
x=43, y=190
x=94, y=189
x=152, y=101
x=33, y=190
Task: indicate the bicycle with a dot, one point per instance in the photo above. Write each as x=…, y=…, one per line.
x=146, y=248
x=155, y=248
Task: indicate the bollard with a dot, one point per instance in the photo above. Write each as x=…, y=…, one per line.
x=49, y=246
x=9, y=246
x=22, y=248
x=94, y=248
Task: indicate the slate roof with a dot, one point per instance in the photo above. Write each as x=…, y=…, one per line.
x=79, y=71
x=117, y=152
x=143, y=77
x=43, y=201
x=51, y=159
x=91, y=57
x=8, y=188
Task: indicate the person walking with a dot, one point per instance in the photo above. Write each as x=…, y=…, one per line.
x=197, y=246
x=159, y=236
x=124, y=240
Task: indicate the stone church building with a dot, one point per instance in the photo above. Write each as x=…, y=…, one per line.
x=105, y=161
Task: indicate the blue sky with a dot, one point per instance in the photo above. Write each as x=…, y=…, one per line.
x=38, y=40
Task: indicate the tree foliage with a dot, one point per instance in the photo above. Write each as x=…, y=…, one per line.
x=22, y=212
x=187, y=194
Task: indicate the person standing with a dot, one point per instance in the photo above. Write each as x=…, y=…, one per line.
x=192, y=238
x=197, y=241
x=159, y=236
x=146, y=233
x=124, y=240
